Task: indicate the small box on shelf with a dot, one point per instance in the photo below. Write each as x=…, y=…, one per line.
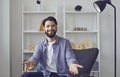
x=80, y=29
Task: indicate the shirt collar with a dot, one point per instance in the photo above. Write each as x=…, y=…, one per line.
x=46, y=42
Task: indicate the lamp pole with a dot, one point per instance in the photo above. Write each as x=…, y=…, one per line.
x=115, y=44
x=115, y=41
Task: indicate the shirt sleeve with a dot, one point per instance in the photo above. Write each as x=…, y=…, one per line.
x=70, y=57
x=37, y=54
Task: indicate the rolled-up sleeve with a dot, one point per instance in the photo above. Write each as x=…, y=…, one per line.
x=70, y=57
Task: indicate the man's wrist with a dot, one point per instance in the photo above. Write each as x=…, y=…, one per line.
x=73, y=62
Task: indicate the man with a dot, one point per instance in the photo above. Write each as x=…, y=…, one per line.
x=54, y=55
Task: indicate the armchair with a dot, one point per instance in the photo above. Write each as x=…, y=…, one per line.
x=87, y=58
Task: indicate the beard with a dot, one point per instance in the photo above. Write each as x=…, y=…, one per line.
x=50, y=35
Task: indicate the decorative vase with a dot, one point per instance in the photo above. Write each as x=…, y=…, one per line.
x=78, y=8
x=31, y=46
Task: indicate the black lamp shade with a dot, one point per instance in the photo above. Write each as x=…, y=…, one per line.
x=99, y=5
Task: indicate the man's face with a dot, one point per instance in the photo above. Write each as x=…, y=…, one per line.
x=50, y=28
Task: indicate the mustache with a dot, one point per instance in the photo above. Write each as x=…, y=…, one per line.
x=50, y=30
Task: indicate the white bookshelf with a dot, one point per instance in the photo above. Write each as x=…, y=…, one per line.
x=32, y=15
x=82, y=25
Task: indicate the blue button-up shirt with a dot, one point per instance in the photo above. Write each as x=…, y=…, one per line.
x=62, y=52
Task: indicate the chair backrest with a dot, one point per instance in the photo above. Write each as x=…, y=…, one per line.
x=87, y=58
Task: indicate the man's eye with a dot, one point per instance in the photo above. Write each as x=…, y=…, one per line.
x=53, y=25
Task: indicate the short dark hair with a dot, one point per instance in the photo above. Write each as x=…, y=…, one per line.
x=50, y=18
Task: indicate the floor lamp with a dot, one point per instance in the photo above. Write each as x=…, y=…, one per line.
x=100, y=6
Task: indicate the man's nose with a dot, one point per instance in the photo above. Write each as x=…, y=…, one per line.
x=50, y=27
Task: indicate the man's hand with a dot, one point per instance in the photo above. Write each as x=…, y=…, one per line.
x=73, y=68
x=29, y=64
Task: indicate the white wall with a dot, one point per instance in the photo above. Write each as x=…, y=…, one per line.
x=4, y=39
x=107, y=40
x=16, y=37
